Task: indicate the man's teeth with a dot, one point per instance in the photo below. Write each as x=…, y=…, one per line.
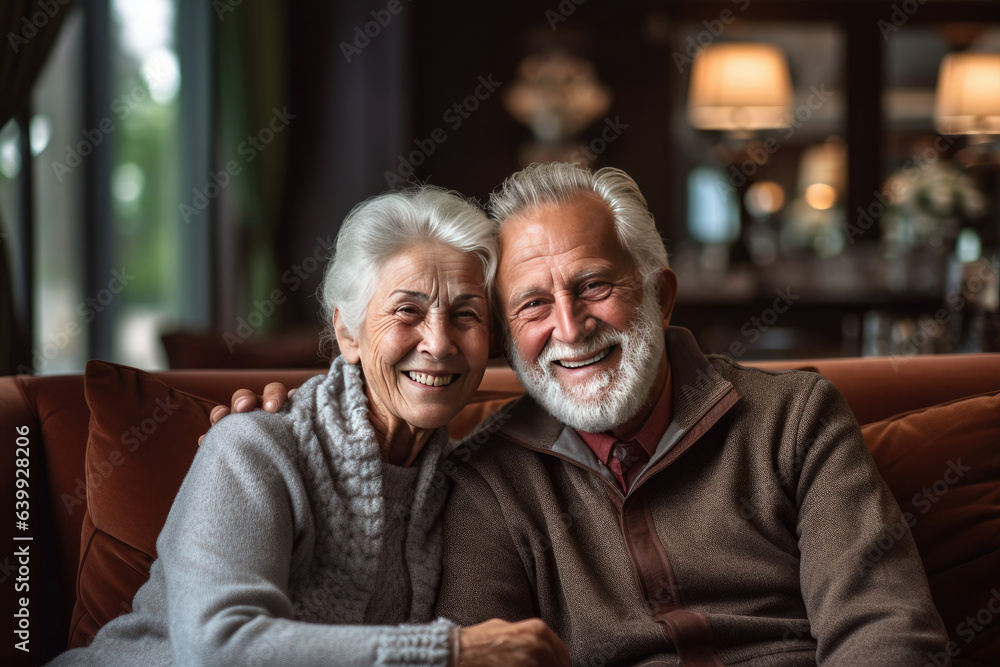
x=593, y=360
x=431, y=380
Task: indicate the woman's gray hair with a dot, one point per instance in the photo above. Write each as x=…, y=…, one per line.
x=382, y=226
x=559, y=182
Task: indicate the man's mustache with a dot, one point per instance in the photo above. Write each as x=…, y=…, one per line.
x=602, y=338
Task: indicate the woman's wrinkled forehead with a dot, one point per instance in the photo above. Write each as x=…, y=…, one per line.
x=432, y=272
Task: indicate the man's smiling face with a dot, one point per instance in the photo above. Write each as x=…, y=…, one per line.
x=585, y=340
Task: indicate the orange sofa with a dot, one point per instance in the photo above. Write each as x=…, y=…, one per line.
x=105, y=453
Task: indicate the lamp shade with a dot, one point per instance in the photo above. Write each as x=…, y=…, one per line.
x=968, y=94
x=739, y=86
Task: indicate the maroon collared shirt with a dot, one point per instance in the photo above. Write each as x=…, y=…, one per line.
x=649, y=434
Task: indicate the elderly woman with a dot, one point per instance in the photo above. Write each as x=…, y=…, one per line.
x=313, y=536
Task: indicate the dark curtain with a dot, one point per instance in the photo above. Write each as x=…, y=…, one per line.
x=30, y=29
x=355, y=117
x=256, y=121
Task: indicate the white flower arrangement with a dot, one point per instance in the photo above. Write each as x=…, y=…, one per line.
x=929, y=206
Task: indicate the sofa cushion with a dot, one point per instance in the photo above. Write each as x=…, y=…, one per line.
x=943, y=466
x=143, y=437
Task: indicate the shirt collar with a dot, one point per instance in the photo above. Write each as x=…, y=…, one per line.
x=649, y=434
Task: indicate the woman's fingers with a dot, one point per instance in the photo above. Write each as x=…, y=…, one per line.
x=530, y=642
x=554, y=651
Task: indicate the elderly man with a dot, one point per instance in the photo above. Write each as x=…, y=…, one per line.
x=651, y=504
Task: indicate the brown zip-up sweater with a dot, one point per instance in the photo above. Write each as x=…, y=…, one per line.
x=747, y=539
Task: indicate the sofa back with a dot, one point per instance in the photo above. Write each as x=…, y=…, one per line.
x=52, y=414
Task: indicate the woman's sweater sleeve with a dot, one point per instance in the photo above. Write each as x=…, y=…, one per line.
x=227, y=549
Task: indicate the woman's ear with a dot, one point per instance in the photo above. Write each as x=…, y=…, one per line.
x=668, y=294
x=350, y=349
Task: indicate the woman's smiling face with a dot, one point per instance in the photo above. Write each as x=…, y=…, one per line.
x=425, y=340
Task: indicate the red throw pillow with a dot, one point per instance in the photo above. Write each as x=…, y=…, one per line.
x=943, y=466
x=143, y=437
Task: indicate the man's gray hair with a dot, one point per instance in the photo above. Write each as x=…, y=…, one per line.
x=559, y=182
x=382, y=226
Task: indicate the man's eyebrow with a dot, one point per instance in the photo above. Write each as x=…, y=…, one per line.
x=590, y=274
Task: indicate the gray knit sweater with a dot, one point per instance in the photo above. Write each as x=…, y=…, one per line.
x=284, y=539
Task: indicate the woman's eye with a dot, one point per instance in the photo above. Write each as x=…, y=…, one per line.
x=467, y=315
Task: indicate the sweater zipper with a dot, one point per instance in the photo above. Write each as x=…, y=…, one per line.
x=549, y=452
x=667, y=460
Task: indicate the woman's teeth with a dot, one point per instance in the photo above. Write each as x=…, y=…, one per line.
x=593, y=360
x=431, y=380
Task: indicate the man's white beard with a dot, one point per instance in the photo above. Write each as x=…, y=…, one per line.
x=611, y=398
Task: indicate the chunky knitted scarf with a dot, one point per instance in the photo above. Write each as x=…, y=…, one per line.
x=341, y=467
